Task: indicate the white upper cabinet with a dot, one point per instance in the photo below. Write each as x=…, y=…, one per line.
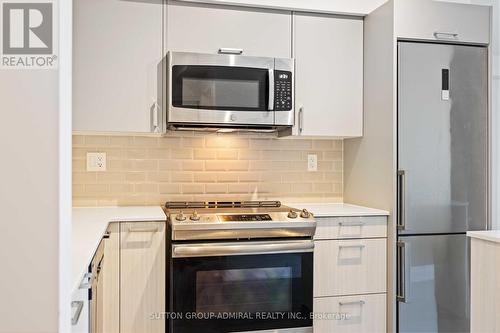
x=328, y=52
x=442, y=21
x=117, y=50
x=207, y=28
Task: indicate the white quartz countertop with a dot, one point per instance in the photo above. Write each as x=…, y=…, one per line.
x=90, y=224
x=487, y=235
x=337, y=209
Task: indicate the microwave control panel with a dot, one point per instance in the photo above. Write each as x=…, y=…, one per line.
x=282, y=90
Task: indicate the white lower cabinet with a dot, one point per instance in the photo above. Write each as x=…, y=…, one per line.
x=485, y=286
x=128, y=282
x=142, y=277
x=350, y=314
x=110, y=277
x=355, y=266
x=350, y=275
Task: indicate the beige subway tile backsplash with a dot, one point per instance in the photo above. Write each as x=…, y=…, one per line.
x=205, y=154
x=181, y=177
x=193, y=188
x=227, y=177
x=226, y=154
x=194, y=166
x=216, y=188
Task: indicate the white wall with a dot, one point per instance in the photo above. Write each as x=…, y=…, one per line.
x=35, y=199
x=65, y=157
x=29, y=229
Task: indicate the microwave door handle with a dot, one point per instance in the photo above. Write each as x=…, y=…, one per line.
x=270, y=105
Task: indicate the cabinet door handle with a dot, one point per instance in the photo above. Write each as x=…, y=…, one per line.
x=301, y=118
x=79, y=307
x=229, y=50
x=86, y=281
x=155, y=121
x=153, y=228
x=155, y=115
x=445, y=35
x=360, y=302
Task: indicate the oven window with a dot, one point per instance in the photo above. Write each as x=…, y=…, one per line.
x=220, y=88
x=244, y=290
x=241, y=293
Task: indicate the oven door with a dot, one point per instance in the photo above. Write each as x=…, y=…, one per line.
x=242, y=287
x=219, y=90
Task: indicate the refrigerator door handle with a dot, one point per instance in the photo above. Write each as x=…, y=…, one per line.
x=467, y=278
x=401, y=272
x=401, y=198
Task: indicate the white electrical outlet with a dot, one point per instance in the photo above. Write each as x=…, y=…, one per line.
x=312, y=162
x=96, y=161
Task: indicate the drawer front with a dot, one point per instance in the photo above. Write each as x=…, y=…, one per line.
x=351, y=227
x=351, y=314
x=348, y=267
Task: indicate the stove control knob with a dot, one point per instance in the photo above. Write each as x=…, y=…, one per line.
x=194, y=216
x=292, y=214
x=180, y=216
x=305, y=214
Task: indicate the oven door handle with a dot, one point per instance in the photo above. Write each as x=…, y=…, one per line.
x=240, y=248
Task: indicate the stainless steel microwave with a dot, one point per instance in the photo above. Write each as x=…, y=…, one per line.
x=229, y=91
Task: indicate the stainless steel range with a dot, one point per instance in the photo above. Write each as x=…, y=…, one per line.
x=240, y=267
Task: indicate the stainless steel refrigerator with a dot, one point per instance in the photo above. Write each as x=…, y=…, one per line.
x=442, y=180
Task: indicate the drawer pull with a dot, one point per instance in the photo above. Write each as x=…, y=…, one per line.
x=360, y=246
x=358, y=224
x=143, y=229
x=360, y=302
x=86, y=282
x=78, y=305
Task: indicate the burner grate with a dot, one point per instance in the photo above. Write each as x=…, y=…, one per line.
x=221, y=204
